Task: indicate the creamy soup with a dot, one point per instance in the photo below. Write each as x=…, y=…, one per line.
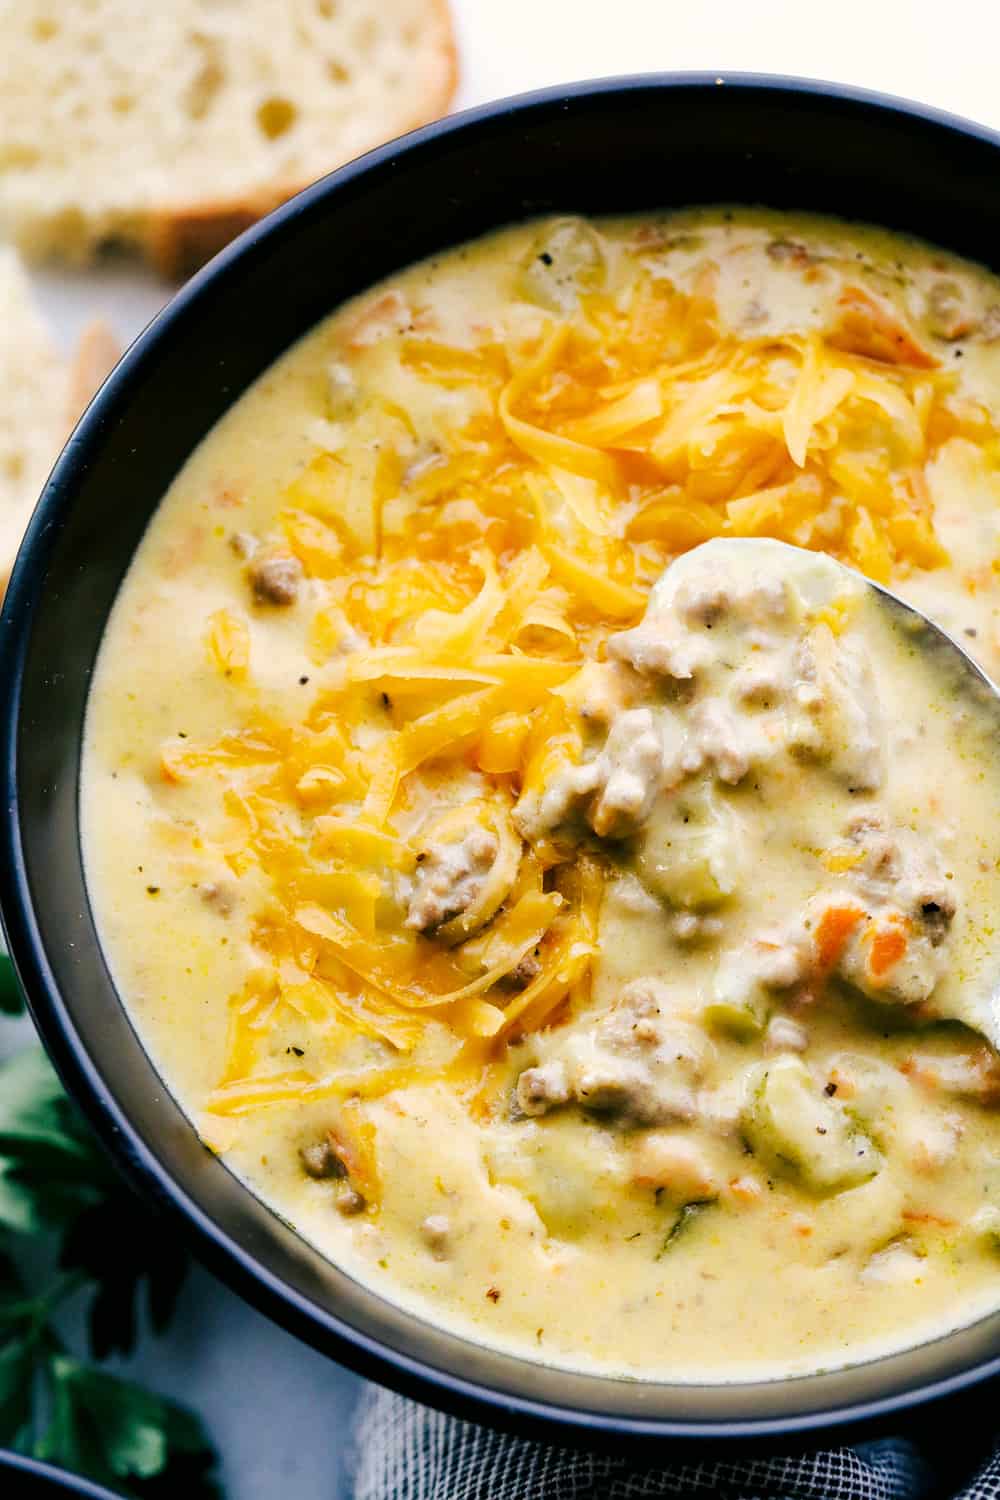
x=565, y=902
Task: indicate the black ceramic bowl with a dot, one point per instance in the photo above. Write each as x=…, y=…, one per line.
x=644, y=143
x=30, y=1479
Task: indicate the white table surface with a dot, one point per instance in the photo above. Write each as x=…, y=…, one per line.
x=280, y=1413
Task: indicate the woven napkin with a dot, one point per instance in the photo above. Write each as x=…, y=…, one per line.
x=408, y=1452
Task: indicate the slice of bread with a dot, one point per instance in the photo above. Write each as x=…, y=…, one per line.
x=172, y=125
x=41, y=396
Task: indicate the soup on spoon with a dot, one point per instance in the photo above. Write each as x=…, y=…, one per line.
x=773, y=704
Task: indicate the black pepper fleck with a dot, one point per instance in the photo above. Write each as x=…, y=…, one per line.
x=152, y=890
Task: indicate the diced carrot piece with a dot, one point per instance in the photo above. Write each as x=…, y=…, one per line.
x=835, y=928
x=353, y=1140
x=888, y=946
x=868, y=327
x=916, y=1069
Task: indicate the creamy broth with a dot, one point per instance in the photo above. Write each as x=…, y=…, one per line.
x=578, y=927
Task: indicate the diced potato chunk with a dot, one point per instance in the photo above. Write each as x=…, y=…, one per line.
x=566, y=259
x=950, y=312
x=691, y=855
x=574, y=1176
x=871, y=1085
x=673, y=1161
x=802, y=1134
x=895, y=1265
x=985, y=1226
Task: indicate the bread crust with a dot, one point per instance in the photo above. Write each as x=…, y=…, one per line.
x=97, y=353
x=180, y=238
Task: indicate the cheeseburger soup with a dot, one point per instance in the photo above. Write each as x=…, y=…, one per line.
x=566, y=903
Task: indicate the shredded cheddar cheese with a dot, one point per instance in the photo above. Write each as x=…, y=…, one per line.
x=448, y=634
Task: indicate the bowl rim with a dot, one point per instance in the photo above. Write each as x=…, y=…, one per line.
x=52, y=1479
x=237, y=1267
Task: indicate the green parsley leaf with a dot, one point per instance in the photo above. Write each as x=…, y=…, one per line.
x=123, y=1248
x=683, y=1220
x=116, y=1431
x=49, y=1169
x=54, y=1178
x=17, y=1371
x=11, y=999
x=37, y=1121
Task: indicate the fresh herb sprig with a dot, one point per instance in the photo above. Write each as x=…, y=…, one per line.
x=11, y=1003
x=55, y=1185
x=682, y=1222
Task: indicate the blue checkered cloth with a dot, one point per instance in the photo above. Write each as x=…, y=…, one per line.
x=407, y=1452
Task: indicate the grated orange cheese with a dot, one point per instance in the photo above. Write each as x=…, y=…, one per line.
x=470, y=587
